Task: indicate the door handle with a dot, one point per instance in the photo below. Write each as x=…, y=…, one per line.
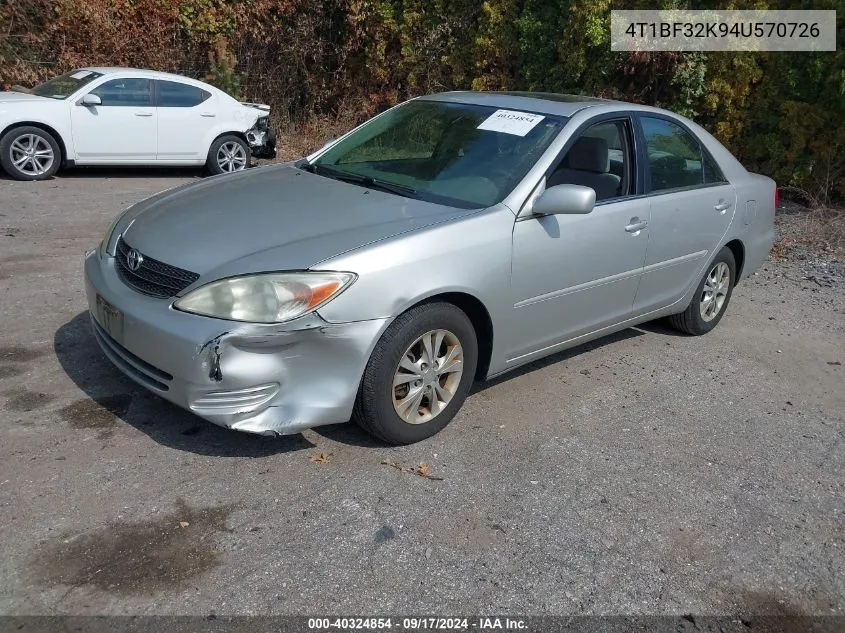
x=209, y=115
x=636, y=225
x=722, y=206
x=143, y=114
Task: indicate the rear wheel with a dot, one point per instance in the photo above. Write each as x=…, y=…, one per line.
x=227, y=154
x=711, y=298
x=30, y=153
x=419, y=374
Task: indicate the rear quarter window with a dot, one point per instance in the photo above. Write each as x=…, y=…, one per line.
x=172, y=94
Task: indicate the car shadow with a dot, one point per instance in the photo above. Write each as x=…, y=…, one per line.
x=130, y=172
x=662, y=327
x=77, y=173
x=110, y=395
x=558, y=357
x=352, y=434
x=108, y=389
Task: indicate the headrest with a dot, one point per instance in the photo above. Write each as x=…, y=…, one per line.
x=589, y=154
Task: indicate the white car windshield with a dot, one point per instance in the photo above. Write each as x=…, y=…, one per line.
x=458, y=154
x=63, y=86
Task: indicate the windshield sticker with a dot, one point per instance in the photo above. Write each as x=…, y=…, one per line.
x=511, y=122
x=82, y=74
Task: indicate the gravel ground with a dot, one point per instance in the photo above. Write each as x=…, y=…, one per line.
x=644, y=473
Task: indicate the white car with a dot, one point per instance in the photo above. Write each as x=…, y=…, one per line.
x=127, y=116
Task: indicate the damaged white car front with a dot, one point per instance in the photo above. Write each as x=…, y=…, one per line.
x=261, y=137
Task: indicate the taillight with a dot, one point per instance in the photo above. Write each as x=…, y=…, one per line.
x=777, y=198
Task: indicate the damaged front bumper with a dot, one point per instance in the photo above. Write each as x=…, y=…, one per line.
x=267, y=379
x=262, y=139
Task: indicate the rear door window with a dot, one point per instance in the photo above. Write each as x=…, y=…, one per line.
x=676, y=159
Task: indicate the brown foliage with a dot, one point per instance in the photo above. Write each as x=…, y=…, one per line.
x=324, y=64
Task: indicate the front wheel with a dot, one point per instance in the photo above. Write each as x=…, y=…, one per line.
x=711, y=298
x=30, y=153
x=419, y=374
x=227, y=154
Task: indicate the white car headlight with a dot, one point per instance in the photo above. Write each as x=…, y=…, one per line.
x=265, y=297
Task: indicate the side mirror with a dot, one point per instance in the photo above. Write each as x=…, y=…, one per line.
x=565, y=199
x=90, y=100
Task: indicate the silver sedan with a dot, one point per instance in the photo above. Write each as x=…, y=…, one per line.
x=452, y=238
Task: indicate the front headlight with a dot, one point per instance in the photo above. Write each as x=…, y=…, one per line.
x=266, y=297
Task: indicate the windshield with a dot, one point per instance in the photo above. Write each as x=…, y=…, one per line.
x=458, y=154
x=63, y=86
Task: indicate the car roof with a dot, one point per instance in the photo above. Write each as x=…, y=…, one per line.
x=550, y=103
x=143, y=72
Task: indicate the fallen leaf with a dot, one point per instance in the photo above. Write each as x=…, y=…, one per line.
x=183, y=524
x=424, y=471
x=321, y=458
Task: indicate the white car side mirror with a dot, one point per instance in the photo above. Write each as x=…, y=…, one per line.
x=90, y=100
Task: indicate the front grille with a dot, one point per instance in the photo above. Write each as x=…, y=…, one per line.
x=153, y=277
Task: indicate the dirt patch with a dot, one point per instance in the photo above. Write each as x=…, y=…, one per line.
x=101, y=413
x=19, y=265
x=137, y=558
x=26, y=257
x=7, y=371
x=26, y=400
x=804, y=232
x=20, y=354
x=771, y=611
x=384, y=534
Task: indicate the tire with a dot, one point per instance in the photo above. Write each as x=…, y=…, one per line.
x=219, y=162
x=378, y=402
x=30, y=153
x=703, y=314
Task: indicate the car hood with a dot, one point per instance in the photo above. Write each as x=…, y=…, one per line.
x=269, y=218
x=12, y=97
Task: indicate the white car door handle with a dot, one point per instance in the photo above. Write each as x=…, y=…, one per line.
x=208, y=114
x=722, y=206
x=143, y=114
x=636, y=225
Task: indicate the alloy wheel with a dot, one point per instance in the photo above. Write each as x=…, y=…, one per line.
x=715, y=291
x=231, y=156
x=32, y=155
x=428, y=376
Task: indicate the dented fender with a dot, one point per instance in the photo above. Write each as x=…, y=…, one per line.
x=260, y=378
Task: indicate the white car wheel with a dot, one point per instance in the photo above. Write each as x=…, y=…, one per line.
x=30, y=153
x=228, y=154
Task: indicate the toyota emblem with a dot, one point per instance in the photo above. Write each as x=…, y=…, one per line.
x=134, y=259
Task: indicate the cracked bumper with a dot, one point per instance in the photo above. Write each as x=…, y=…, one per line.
x=262, y=143
x=268, y=379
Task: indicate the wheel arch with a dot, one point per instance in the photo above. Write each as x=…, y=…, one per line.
x=738, y=249
x=478, y=314
x=43, y=126
x=217, y=137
